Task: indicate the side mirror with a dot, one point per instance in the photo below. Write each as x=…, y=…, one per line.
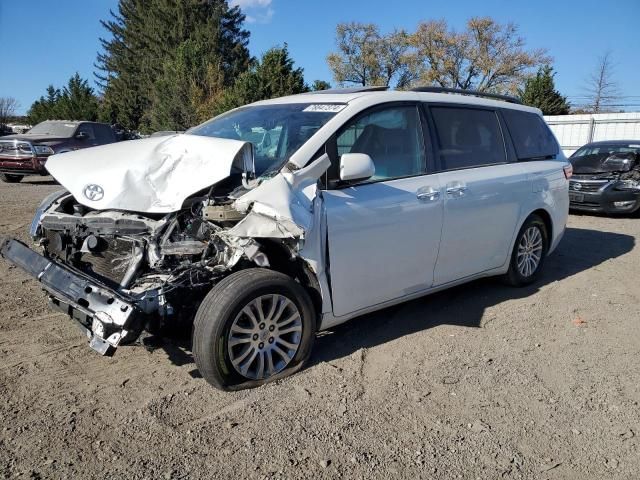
x=356, y=166
x=82, y=135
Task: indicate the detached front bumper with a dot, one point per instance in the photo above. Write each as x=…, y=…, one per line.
x=103, y=314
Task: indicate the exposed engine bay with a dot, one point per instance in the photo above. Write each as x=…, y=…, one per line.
x=121, y=271
x=165, y=262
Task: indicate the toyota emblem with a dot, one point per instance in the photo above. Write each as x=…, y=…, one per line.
x=93, y=192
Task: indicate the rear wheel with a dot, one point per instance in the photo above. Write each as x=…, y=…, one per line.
x=9, y=178
x=255, y=326
x=529, y=252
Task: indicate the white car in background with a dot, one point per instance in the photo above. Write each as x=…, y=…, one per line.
x=348, y=202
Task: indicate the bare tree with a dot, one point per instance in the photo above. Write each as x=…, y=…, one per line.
x=486, y=56
x=8, y=107
x=366, y=57
x=601, y=89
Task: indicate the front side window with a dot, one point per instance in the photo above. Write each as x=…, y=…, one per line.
x=276, y=131
x=88, y=129
x=468, y=137
x=532, y=138
x=392, y=137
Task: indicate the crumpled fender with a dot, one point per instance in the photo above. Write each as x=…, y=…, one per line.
x=281, y=207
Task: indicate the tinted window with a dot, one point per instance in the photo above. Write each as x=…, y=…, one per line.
x=104, y=133
x=88, y=129
x=392, y=137
x=531, y=136
x=468, y=137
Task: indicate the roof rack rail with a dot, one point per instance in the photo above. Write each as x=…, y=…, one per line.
x=474, y=93
x=353, y=89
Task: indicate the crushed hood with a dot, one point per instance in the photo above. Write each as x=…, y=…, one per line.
x=603, y=163
x=152, y=175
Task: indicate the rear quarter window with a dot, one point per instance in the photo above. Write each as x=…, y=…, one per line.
x=531, y=137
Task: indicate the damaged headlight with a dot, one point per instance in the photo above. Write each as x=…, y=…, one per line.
x=34, y=229
x=628, y=185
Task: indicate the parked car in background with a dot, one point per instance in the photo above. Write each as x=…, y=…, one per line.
x=292, y=215
x=606, y=177
x=27, y=153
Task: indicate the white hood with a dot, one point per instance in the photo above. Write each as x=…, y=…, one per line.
x=153, y=175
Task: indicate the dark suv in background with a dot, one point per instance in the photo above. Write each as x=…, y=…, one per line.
x=26, y=154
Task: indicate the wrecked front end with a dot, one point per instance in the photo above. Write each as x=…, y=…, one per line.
x=605, y=183
x=120, y=273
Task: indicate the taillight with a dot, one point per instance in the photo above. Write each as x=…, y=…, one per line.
x=568, y=171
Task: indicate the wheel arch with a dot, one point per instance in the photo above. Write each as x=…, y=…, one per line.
x=548, y=222
x=282, y=259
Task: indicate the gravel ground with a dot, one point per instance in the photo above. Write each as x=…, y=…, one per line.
x=482, y=381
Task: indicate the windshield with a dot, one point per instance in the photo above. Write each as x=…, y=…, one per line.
x=56, y=129
x=603, y=158
x=276, y=131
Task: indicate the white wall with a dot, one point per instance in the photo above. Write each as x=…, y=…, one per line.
x=573, y=131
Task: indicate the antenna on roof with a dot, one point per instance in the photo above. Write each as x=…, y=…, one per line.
x=474, y=93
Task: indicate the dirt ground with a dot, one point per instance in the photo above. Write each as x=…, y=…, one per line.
x=482, y=381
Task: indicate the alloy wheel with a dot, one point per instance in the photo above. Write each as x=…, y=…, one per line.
x=529, y=251
x=265, y=336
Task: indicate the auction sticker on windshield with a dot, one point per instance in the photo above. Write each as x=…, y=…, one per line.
x=325, y=107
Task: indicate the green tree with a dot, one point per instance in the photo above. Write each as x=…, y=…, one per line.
x=45, y=108
x=540, y=92
x=155, y=43
x=273, y=76
x=320, y=85
x=76, y=101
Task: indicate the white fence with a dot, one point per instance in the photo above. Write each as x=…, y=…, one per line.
x=573, y=131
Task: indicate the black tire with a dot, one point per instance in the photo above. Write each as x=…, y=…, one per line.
x=514, y=276
x=9, y=178
x=218, y=311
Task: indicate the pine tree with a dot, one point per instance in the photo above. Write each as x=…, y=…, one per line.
x=273, y=76
x=162, y=50
x=540, y=92
x=76, y=101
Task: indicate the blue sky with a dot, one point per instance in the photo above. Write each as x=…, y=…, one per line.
x=45, y=42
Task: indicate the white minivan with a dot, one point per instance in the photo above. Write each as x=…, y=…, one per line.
x=273, y=221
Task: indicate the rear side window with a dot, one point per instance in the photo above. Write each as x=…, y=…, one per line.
x=532, y=138
x=468, y=137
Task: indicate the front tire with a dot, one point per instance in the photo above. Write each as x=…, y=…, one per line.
x=255, y=326
x=529, y=252
x=9, y=178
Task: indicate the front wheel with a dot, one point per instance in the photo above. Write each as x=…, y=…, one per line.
x=255, y=326
x=529, y=252
x=8, y=178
